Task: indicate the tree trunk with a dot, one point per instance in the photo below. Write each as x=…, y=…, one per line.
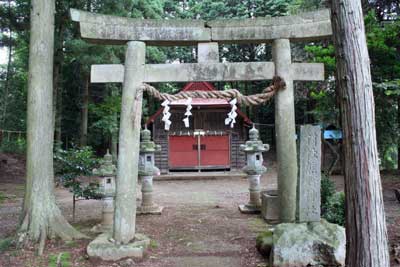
x=365, y=216
x=85, y=111
x=57, y=101
x=114, y=134
x=41, y=216
x=58, y=80
x=8, y=75
x=398, y=139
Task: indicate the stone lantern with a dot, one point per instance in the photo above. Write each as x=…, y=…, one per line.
x=254, y=169
x=147, y=170
x=107, y=173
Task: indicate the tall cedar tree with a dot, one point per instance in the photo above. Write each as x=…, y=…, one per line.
x=42, y=217
x=365, y=216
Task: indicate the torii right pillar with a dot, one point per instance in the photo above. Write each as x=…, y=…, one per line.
x=285, y=132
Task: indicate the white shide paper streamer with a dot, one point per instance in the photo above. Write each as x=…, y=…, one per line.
x=166, y=115
x=232, y=115
x=188, y=113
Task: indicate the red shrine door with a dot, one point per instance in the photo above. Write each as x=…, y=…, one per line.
x=185, y=152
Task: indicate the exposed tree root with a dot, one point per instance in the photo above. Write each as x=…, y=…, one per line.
x=41, y=229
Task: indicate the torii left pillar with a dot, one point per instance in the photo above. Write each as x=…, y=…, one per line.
x=124, y=241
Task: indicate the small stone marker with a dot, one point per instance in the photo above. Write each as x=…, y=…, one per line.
x=309, y=197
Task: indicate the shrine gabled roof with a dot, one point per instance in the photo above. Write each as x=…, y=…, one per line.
x=200, y=86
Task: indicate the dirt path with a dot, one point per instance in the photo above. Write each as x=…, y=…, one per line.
x=200, y=226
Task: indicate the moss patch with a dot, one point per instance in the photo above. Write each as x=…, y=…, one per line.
x=63, y=260
x=264, y=243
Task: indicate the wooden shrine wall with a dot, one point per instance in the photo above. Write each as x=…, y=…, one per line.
x=209, y=120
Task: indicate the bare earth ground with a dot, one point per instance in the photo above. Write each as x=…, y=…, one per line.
x=200, y=226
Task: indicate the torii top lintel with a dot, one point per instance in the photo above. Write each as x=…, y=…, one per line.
x=105, y=29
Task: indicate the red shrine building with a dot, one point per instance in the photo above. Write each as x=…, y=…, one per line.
x=208, y=144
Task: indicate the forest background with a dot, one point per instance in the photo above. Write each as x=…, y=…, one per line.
x=87, y=114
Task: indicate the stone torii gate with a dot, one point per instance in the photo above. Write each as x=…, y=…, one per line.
x=137, y=33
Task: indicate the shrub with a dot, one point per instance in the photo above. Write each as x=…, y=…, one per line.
x=335, y=210
x=75, y=162
x=332, y=202
x=5, y=244
x=327, y=191
x=13, y=146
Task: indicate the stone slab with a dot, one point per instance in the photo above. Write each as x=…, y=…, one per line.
x=105, y=29
x=261, y=34
x=103, y=248
x=200, y=176
x=306, y=26
x=189, y=72
x=154, y=210
x=321, y=15
x=309, y=191
x=245, y=209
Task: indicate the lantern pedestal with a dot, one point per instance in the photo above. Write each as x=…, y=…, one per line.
x=106, y=172
x=254, y=205
x=147, y=170
x=254, y=169
x=107, y=216
x=147, y=206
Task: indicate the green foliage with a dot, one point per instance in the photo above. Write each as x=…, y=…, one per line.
x=315, y=102
x=106, y=114
x=5, y=244
x=2, y=197
x=325, y=110
x=13, y=146
x=335, y=210
x=332, y=202
x=383, y=47
x=323, y=98
x=63, y=260
x=153, y=244
x=327, y=191
x=75, y=162
x=323, y=54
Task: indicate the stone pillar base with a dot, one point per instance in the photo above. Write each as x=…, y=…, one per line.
x=106, y=250
x=249, y=209
x=149, y=210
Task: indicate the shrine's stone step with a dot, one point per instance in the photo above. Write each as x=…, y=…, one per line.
x=200, y=176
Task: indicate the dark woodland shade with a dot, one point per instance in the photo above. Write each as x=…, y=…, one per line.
x=208, y=116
